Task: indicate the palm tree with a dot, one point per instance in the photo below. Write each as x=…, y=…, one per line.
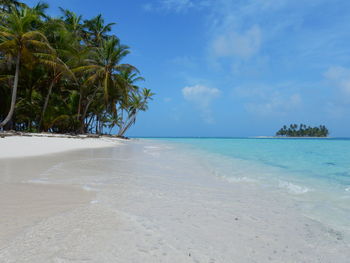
x=96, y=30
x=18, y=41
x=105, y=63
x=126, y=80
x=73, y=22
x=59, y=68
x=64, y=74
x=138, y=103
x=7, y=5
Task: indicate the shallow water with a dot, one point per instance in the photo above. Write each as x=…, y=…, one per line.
x=315, y=172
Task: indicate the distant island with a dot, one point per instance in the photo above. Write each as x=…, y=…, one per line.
x=295, y=130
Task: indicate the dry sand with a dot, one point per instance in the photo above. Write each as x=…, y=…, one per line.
x=41, y=144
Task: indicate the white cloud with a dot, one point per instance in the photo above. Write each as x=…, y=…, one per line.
x=276, y=104
x=242, y=31
x=340, y=79
x=232, y=44
x=201, y=97
x=177, y=6
x=147, y=7
x=268, y=100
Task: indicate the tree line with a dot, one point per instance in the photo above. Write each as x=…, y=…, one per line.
x=303, y=131
x=65, y=74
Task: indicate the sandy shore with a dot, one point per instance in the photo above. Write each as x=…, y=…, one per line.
x=148, y=202
x=40, y=144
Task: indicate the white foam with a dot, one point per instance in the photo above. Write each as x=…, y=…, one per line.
x=347, y=189
x=234, y=179
x=38, y=181
x=293, y=188
x=89, y=188
x=243, y=179
x=151, y=147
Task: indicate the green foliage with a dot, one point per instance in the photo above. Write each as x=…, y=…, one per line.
x=303, y=131
x=72, y=77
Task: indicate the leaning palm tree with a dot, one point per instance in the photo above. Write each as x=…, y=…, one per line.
x=18, y=41
x=127, y=79
x=138, y=103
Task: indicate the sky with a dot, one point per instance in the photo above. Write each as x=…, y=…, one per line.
x=234, y=68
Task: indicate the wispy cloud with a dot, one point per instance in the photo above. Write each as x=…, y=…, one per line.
x=269, y=100
x=167, y=99
x=243, y=45
x=177, y=6
x=201, y=97
x=340, y=79
x=186, y=62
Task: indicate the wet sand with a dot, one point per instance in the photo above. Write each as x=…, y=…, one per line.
x=24, y=205
x=147, y=202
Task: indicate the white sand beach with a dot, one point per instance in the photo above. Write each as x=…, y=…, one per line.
x=144, y=201
x=40, y=144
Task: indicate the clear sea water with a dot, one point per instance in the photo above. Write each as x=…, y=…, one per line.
x=315, y=172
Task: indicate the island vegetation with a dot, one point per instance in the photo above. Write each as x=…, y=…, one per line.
x=65, y=74
x=295, y=130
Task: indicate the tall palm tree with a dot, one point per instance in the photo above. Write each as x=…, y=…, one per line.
x=106, y=62
x=96, y=30
x=18, y=41
x=73, y=22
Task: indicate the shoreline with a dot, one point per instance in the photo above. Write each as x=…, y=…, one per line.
x=148, y=200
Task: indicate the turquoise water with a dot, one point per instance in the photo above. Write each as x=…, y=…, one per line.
x=326, y=160
x=316, y=172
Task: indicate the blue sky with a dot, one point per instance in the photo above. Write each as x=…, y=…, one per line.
x=234, y=67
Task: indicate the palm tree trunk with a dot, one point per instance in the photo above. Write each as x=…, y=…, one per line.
x=82, y=127
x=82, y=123
x=79, y=105
x=131, y=120
x=14, y=93
x=46, y=103
x=97, y=124
x=128, y=125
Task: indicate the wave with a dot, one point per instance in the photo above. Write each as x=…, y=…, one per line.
x=38, y=181
x=240, y=179
x=89, y=188
x=294, y=188
x=235, y=179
